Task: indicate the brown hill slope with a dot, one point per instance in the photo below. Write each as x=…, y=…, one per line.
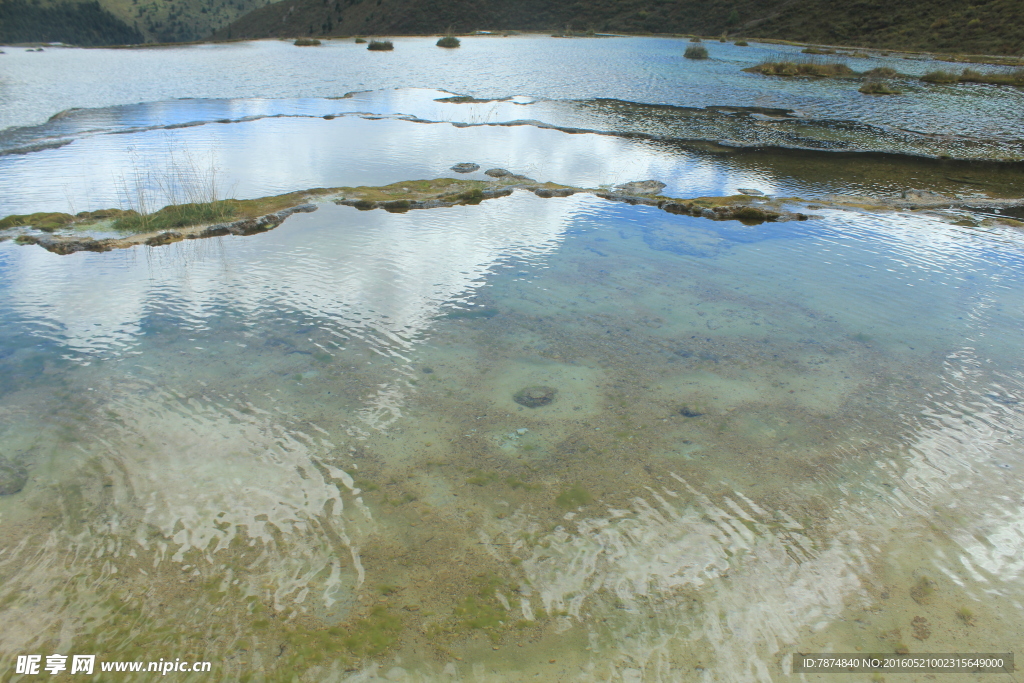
x=984, y=26
x=111, y=22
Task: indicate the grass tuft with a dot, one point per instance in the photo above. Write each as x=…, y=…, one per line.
x=816, y=69
x=360, y=40
x=380, y=45
x=47, y=222
x=882, y=72
x=306, y=42
x=873, y=87
x=940, y=76
x=449, y=41
x=741, y=43
x=696, y=52
x=177, y=216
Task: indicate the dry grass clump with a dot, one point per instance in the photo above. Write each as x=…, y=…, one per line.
x=882, y=72
x=306, y=42
x=808, y=69
x=1015, y=77
x=873, y=87
x=696, y=52
x=971, y=76
x=448, y=41
x=940, y=76
x=380, y=45
x=741, y=43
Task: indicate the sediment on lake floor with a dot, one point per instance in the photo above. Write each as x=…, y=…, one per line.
x=56, y=232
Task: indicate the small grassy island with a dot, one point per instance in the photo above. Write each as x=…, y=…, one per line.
x=381, y=45
x=448, y=41
x=696, y=52
x=816, y=69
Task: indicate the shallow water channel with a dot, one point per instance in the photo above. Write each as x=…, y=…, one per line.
x=299, y=455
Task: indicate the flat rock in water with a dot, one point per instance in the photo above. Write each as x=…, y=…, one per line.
x=12, y=477
x=535, y=397
x=466, y=167
x=641, y=187
x=752, y=193
x=497, y=172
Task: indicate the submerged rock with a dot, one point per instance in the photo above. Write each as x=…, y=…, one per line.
x=497, y=172
x=535, y=397
x=12, y=477
x=641, y=187
x=466, y=167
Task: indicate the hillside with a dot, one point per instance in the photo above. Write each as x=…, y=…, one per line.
x=986, y=26
x=84, y=23
x=117, y=22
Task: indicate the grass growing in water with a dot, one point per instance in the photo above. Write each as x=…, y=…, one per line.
x=940, y=76
x=176, y=216
x=815, y=69
x=696, y=52
x=360, y=40
x=872, y=87
x=882, y=72
x=306, y=42
x=47, y=222
x=380, y=45
x=971, y=76
x=741, y=43
x=449, y=41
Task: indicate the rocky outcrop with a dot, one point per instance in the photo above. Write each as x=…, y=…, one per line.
x=70, y=244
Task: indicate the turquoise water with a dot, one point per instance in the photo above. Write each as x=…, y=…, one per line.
x=298, y=454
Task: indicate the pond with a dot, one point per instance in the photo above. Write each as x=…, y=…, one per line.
x=561, y=438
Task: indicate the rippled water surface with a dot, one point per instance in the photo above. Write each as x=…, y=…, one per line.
x=299, y=455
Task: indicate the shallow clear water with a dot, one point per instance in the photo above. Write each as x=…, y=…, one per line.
x=298, y=454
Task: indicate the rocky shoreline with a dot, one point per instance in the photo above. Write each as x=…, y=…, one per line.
x=749, y=208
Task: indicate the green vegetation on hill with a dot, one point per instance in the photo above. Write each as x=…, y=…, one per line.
x=985, y=27
x=84, y=23
x=117, y=22
x=981, y=27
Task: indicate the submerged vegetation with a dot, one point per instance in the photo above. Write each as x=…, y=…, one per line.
x=696, y=52
x=380, y=45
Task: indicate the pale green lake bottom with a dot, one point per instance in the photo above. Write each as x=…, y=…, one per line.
x=297, y=454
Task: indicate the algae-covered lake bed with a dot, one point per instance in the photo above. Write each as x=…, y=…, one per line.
x=547, y=359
